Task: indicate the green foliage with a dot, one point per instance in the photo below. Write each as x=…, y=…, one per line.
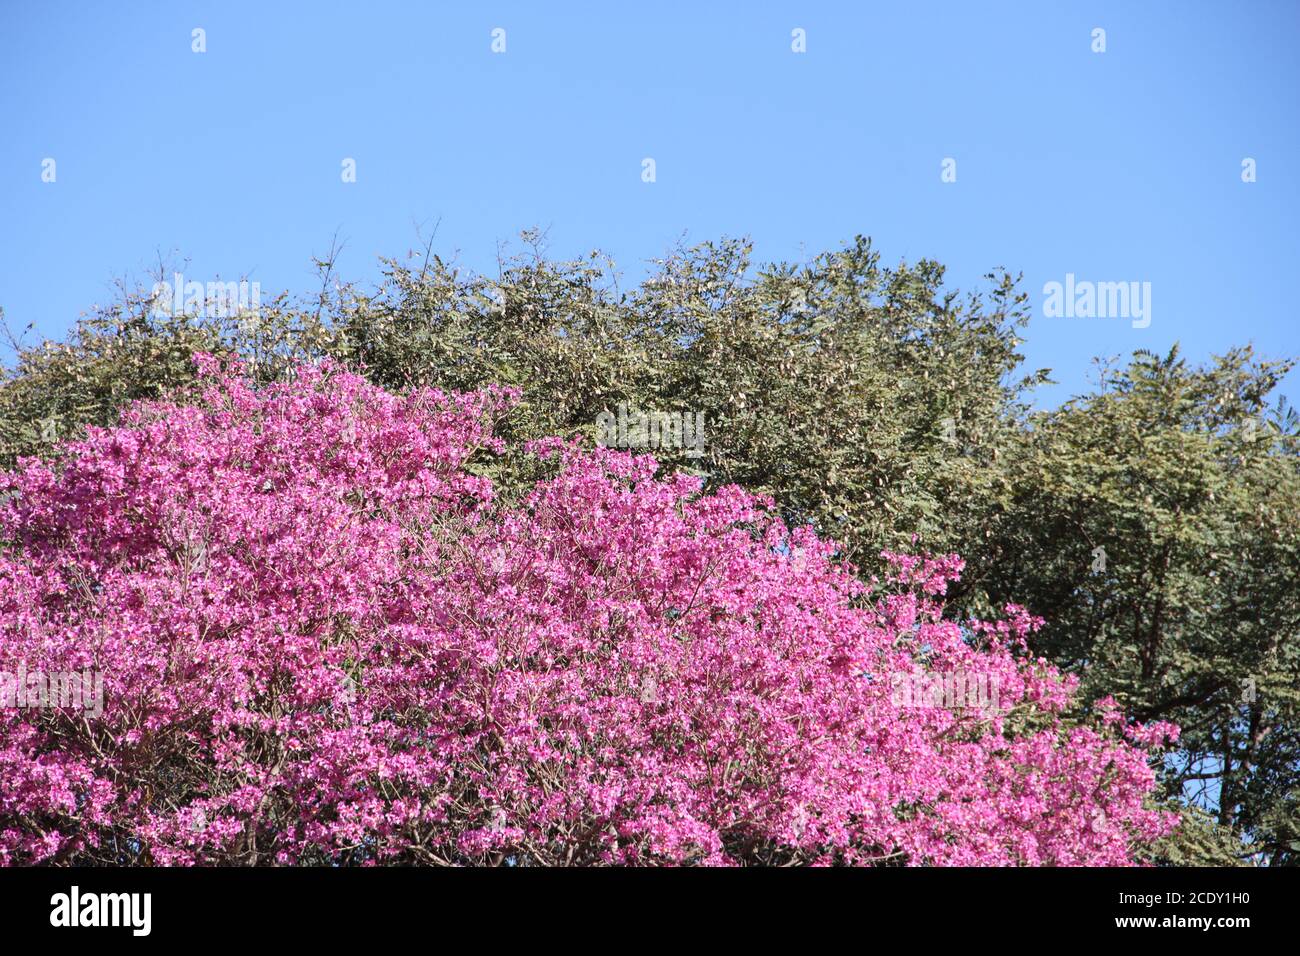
x=1199, y=841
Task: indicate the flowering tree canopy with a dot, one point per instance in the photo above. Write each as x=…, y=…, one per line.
x=324, y=639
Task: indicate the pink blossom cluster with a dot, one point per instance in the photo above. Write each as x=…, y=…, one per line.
x=326, y=639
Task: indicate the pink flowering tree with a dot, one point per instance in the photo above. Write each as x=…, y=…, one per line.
x=323, y=639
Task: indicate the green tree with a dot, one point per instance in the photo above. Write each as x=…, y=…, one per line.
x=1156, y=525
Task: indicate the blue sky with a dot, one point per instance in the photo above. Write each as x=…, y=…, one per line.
x=1115, y=166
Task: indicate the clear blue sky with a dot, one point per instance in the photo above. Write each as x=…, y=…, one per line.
x=1119, y=166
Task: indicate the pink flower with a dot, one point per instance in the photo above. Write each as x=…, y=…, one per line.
x=323, y=639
